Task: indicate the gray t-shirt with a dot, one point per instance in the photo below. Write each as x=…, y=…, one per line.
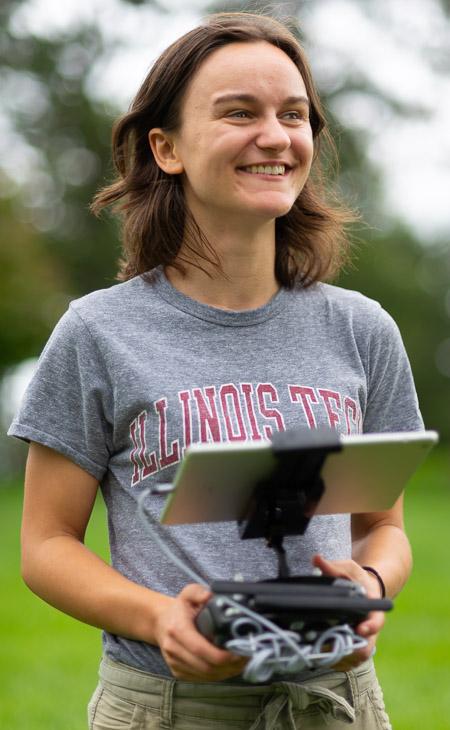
x=135, y=373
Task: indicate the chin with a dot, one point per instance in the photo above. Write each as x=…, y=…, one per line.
x=268, y=209
x=271, y=212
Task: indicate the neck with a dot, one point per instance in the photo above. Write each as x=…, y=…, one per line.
x=246, y=279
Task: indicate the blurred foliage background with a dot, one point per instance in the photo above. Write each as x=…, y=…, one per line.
x=56, y=128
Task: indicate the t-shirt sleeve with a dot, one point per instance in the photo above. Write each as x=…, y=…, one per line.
x=67, y=405
x=392, y=403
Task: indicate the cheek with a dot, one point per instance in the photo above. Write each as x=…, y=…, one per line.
x=193, y=156
x=228, y=145
x=305, y=148
x=189, y=144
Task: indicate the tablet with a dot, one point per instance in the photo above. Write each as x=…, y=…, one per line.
x=214, y=482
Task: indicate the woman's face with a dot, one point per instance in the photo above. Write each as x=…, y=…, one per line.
x=245, y=143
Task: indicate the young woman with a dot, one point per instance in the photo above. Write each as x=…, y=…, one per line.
x=220, y=331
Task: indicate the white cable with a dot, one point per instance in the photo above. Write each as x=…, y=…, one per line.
x=145, y=517
x=287, y=652
x=270, y=649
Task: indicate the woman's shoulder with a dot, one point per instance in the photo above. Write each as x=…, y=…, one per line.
x=106, y=311
x=342, y=307
x=338, y=299
x=117, y=296
x=338, y=296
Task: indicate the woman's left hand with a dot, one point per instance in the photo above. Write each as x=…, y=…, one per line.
x=369, y=628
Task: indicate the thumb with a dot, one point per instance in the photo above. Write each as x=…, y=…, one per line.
x=195, y=593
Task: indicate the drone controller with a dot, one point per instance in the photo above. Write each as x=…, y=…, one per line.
x=288, y=624
x=307, y=622
x=307, y=604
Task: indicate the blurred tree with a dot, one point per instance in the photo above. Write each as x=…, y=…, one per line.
x=44, y=82
x=33, y=290
x=412, y=284
x=52, y=248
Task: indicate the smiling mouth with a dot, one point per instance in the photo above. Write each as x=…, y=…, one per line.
x=275, y=170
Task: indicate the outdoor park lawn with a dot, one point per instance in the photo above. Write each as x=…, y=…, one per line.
x=48, y=662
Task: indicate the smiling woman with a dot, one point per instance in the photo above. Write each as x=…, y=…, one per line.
x=221, y=330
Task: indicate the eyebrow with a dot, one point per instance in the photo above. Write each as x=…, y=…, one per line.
x=252, y=99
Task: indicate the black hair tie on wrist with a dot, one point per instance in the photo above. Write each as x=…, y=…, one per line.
x=378, y=577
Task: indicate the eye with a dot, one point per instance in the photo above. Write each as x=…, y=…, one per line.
x=239, y=114
x=295, y=115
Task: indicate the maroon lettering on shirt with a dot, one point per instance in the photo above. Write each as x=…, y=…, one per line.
x=268, y=390
x=137, y=468
x=165, y=458
x=144, y=464
x=247, y=390
x=306, y=396
x=229, y=412
x=184, y=397
x=149, y=465
x=328, y=396
x=351, y=415
x=209, y=424
x=231, y=409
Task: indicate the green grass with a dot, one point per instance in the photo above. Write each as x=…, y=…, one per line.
x=413, y=657
x=48, y=661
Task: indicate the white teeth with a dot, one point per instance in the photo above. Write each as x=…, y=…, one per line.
x=266, y=169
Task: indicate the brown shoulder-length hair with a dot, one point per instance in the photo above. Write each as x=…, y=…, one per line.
x=311, y=242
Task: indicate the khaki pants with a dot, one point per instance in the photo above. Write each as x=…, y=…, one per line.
x=128, y=699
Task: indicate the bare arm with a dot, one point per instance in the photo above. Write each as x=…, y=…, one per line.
x=379, y=541
x=57, y=566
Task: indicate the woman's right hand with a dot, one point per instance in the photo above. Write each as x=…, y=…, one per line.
x=188, y=654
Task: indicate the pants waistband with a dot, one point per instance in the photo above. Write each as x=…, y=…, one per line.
x=335, y=693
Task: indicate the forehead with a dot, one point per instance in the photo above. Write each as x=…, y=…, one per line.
x=257, y=67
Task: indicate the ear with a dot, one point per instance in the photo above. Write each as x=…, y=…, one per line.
x=164, y=152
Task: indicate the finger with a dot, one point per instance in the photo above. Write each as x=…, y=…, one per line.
x=327, y=567
x=189, y=675
x=214, y=655
x=186, y=636
x=346, y=665
x=350, y=570
x=372, y=625
x=356, y=658
x=182, y=661
x=195, y=593
x=190, y=663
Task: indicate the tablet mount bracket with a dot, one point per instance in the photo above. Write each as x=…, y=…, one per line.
x=283, y=503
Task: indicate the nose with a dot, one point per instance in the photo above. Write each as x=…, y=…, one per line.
x=272, y=134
